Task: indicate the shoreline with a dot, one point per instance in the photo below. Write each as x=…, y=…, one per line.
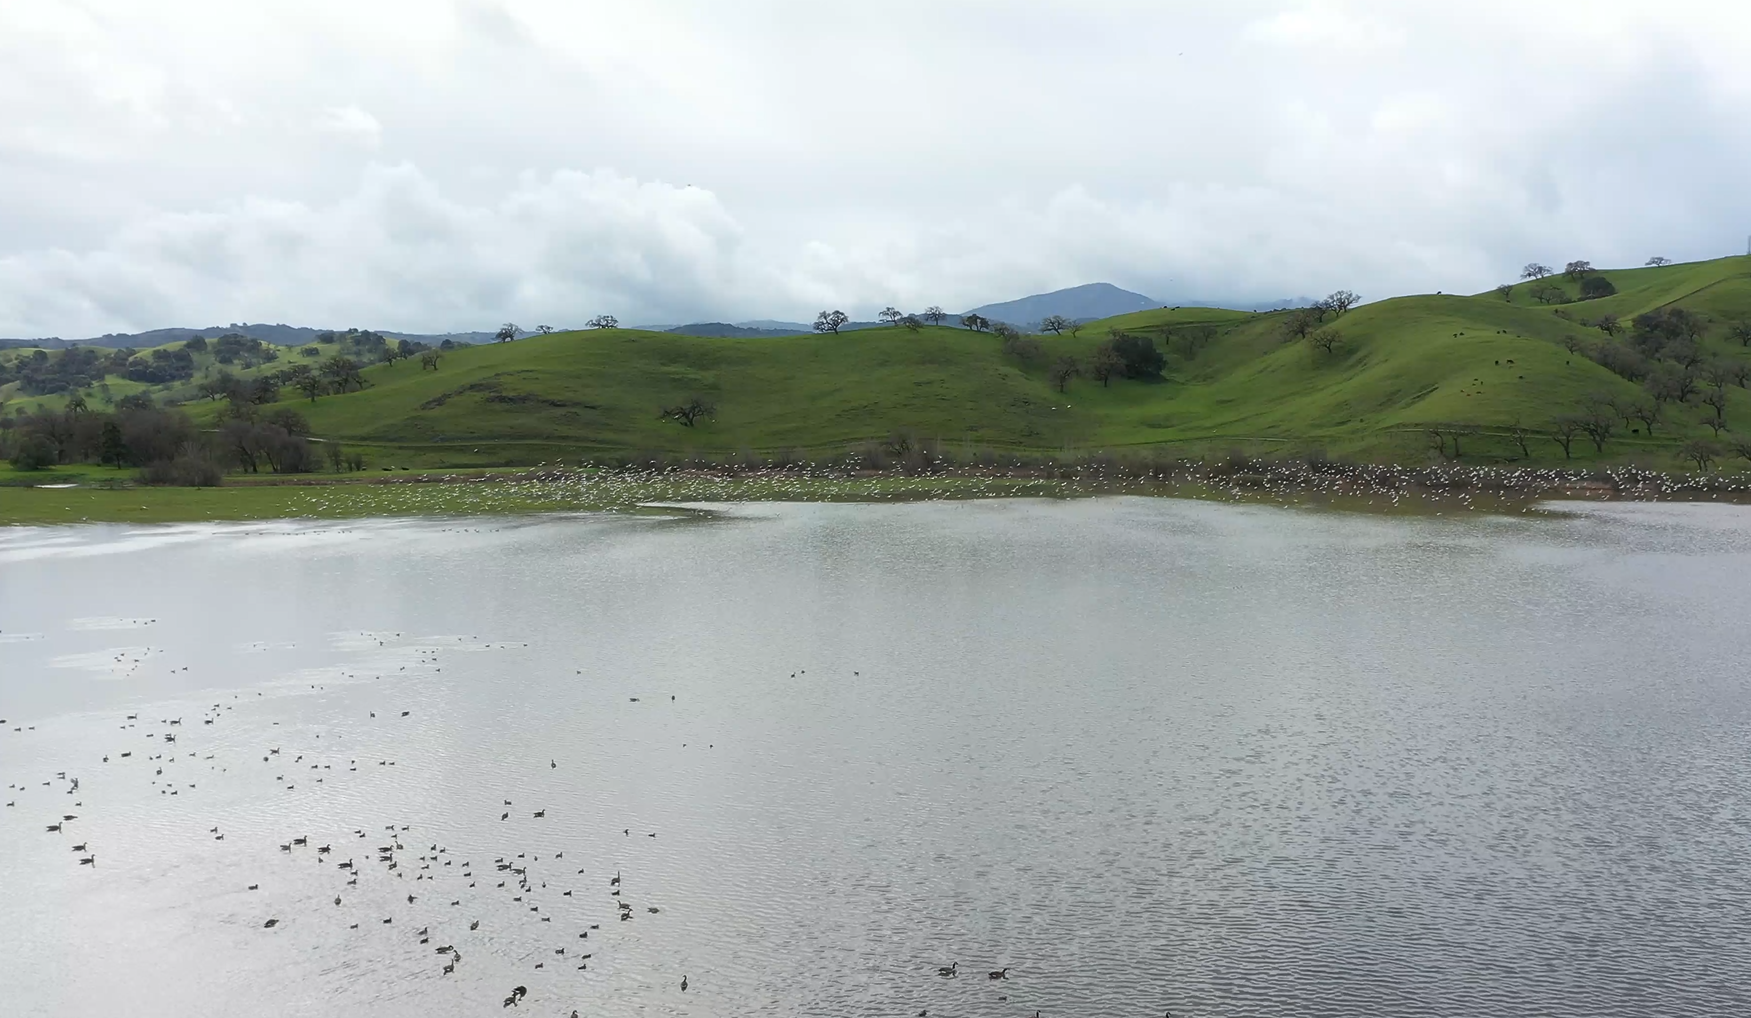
x=1348, y=487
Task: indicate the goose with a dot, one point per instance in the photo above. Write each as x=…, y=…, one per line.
x=1001, y=974
x=78, y=848
x=255, y=887
x=90, y=860
x=949, y=970
x=683, y=984
x=270, y=924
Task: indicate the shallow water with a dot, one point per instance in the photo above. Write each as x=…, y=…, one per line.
x=1147, y=754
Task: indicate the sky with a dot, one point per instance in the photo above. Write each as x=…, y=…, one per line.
x=432, y=166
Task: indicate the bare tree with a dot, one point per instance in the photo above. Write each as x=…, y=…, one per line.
x=1577, y=269
x=1520, y=435
x=912, y=323
x=1338, y=302
x=1700, y=451
x=1074, y=328
x=1716, y=399
x=1598, y=424
x=1648, y=413
x=1564, y=430
x=1608, y=323
x=602, y=322
x=307, y=382
x=1740, y=330
x=1658, y=260
x=1301, y=322
x=890, y=316
x=1105, y=363
x=429, y=359
x=689, y=413
x=1534, y=270
x=934, y=314
x=507, y=332
x=1055, y=324
x=975, y=322
x=1549, y=293
x=1325, y=340
x=1673, y=385
x=544, y=329
x=831, y=321
x=1062, y=371
x=1505, y=291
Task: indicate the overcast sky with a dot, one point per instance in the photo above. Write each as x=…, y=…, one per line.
x=434, y=166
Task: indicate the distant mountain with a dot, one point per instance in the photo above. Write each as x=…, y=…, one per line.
x=280, y=334
x=1091, y=300
x=728, y=330
x=769, y=323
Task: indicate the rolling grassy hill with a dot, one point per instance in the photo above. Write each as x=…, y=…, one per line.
x=1234, y=380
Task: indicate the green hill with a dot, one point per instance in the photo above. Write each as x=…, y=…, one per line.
x=1233, y=380
x=1474, y=368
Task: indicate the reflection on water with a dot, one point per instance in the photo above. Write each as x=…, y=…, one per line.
x=1143, y=754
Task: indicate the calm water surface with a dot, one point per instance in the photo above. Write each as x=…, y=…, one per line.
x=1145, y=754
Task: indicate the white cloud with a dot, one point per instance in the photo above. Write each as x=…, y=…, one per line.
x=351, y=123
x=157, y=165
x=1325, y=27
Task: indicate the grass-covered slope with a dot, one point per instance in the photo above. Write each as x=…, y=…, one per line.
x=1233, y=379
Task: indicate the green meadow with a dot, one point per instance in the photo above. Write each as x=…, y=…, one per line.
x=1233, y=381
x=1470, y=380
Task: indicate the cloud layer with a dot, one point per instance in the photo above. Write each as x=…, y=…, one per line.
x=412, y=166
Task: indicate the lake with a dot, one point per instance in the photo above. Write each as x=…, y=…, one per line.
x=1146, y=755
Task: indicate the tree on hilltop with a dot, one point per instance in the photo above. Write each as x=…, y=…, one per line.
x=603, y=322
x=1338, y=302
x=890, y=316
x=1657, y=261
x=831, y=321
x=507, y=332
x=977, y=323
x=912, y=323
x=1505, y=291
x=934, y=314
x=1577, y=269
x=1534, y=270
x=543, y=330
x=1055, y=324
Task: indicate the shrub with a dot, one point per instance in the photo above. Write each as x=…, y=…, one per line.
x=35, y=452
x=1594, y=287
x=192, y=468
x=1138, y=354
